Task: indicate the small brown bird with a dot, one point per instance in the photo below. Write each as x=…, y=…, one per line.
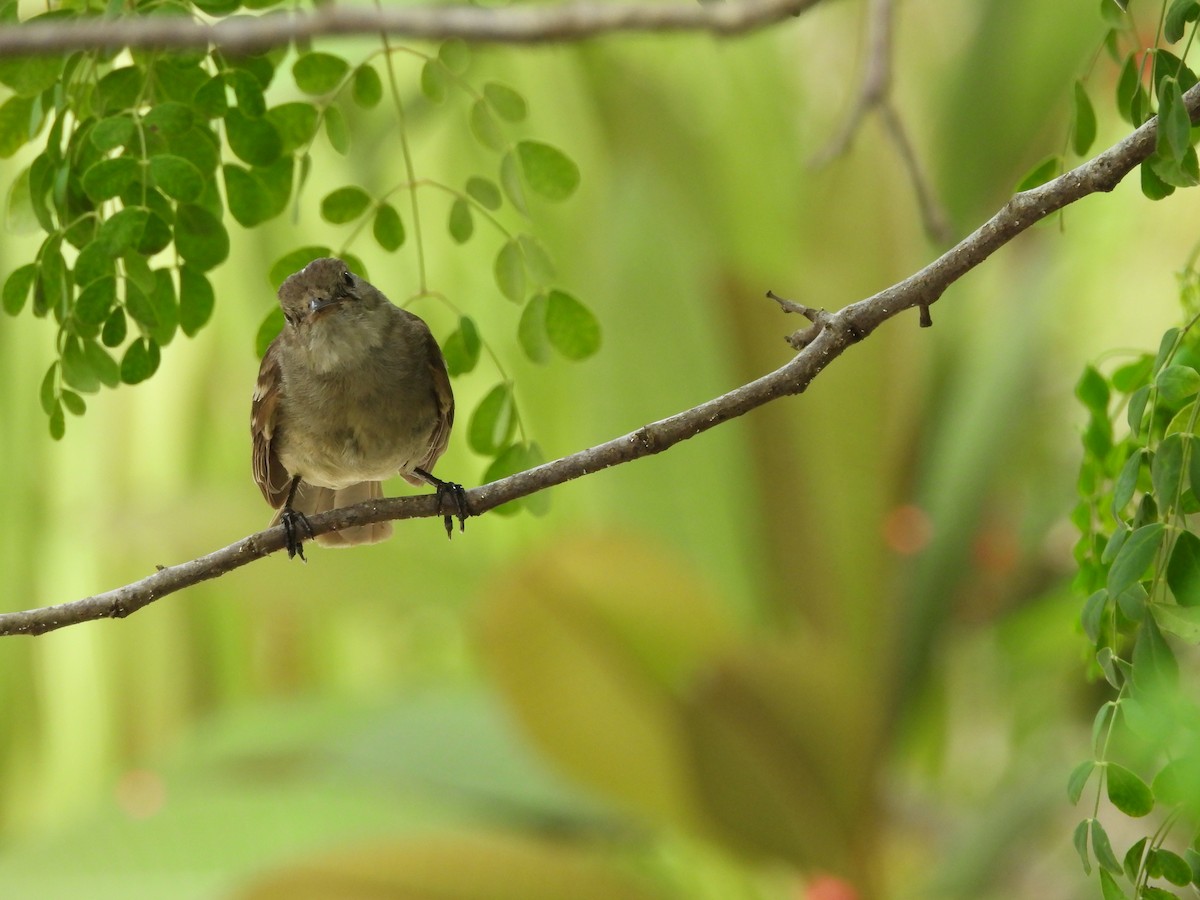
x=352, y=391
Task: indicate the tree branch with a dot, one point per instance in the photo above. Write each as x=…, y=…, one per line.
x=819, y=344
x=508, y=25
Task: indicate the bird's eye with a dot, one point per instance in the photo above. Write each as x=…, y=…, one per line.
x=348, y=278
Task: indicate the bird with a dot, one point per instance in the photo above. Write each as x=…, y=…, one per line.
x=352, y=391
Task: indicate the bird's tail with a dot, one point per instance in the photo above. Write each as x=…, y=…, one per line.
x=311, y=500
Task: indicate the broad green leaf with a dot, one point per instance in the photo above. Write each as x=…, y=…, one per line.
x=210, y=100
x=1044, y=171
x=1128, y=85
x=1166, y=471
x=17, y=287
x=455, y=55
x=293, y=262
x=270, y=327
x=461, y=224
x=139, y=305
x=109, y=177
x=485, y=128
x=1092, y=391
x=156, y=235
x=1126, y=482
x=1178, y=784
x=1115, y=542
x=336, y=130
x=169, y=119
x=253, y=140
x=531, y=331
x=1174, y=126
x=28, y=76
x=1168, y=66
x=249, y=202
x=196, y=300
x=76, y=370
x=572, y=328
x=14, y=124
x=506, y=102
x=1183, y=571
x=1153, y=187
x=119, y=90
x=1134, y=558
x=509, y=270
x=140, y=361
x=275, y=181
x=462, y=348
x=388, y=228
x=1109, y=889
x=1093, y=613
x=200, y=237
x=1131, y=376
x=510, y=180
x=537, y=261
x=1127, y=792
x=73, y=403
x=296, y=124
x=344, y=204
x=1134, y=859
x=1102, y=848
x=51, y=290
x=434, y=83
x=548, y=171
x=1168, y=344
x=217, y=7
x=137, y=270
x=1154, y=664
x=484, y=192
x=368, y=88
x=176, y=177
x=1137, y=408
x=166, y=307
x=1132, y=602
x=1080, y=840
x=1178, y=15
x=58, y=425
x=1182, y=172
x=48, y=393
x=1078, y=779
x=115, y=329
x=1083, y=127
x=96, y=301
x=1172, y=867
x=1181, y=621
x=319, y=73
x=493, y=422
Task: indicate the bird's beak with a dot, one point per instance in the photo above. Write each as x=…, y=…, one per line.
x=316, y=304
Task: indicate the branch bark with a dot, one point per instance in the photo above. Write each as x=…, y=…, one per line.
x=819, y=344
x=509, y=25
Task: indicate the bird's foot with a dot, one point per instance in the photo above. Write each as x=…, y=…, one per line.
x=456, y=495
x=292, y=521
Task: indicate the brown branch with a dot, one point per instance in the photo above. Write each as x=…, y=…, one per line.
x=821, y=343
x=874, y=95
x=509, y=25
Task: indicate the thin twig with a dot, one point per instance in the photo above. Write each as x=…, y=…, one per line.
x=541, y=23
x=834, y=333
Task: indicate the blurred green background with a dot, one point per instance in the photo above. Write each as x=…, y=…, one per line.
x=828, y=643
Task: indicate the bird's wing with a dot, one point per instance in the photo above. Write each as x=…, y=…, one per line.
x=272, y=478
x=444, y=401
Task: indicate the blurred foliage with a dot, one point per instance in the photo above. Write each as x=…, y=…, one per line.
x=830, y=645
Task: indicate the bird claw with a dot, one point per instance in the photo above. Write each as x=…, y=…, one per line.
x=290, y=519
x=458, y=496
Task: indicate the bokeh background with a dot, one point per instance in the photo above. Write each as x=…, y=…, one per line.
x=829, y=644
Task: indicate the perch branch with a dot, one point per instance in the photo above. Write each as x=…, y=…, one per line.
x=509, y=25
x=819, y=345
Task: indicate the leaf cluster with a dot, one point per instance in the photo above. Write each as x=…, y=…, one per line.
x=1139, y=568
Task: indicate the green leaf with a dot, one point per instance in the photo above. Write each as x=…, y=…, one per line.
x=196, y=300
x=319, y=73
x=73, y=403
x=484, y=192
x=455, y=55
x=140, y=361
x=1174, y=126
x=537, y=261
x=1083, y=128
x=509, y=270
x=58, y=425
x=388, y=228
x=1080, y=839
x=1176, y=383
x=102, y=364
x=1133, y=859
x=1041, y=173
x=485, y=128
x=28, y=76
x=93, y=262
x=462, y=348
x=51, y=289
x=119, y=90
x=344, y=204
x=17, y=286
x=200, y=237
x=1109, y=889
x=1153, y=187
x=1079, y=777
x=268, y=330
x=1183, y=571
x=1137, y=408
x=531, y=331
x=1131, y=376
x=1178, y=15
x=139, y=305
x=506, y=102
x=48, y=393
x=368, y=88
x=1168, y=66
x=1128, y=85
x=510, y=180
x=293, y=262
x=137, y=270
x=548, y=171
x=1127, y=792
x=76, y=370
x=1154, y=665
x=1093, y=613
x=572, y=328
x=253, y=140
x=296, y=124
x=169, y=119
x=166, y=308
x=217, y=7
x=1126, y=482
x=461, y=225
x=109, y=177
x=156, y=235
x=95, y=301
x=336, y=130
x=249, y=202
x=209, y=100
x=493, y=421
x=115, y=329
x=434, y=83
x=1102, y=848
x=15, y=114
x=1173, y=867
x=1135, y=556
x=122, y=230
x=176, y=177
x=1166, y=471
x=1181, y=621
x=1092, y=391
